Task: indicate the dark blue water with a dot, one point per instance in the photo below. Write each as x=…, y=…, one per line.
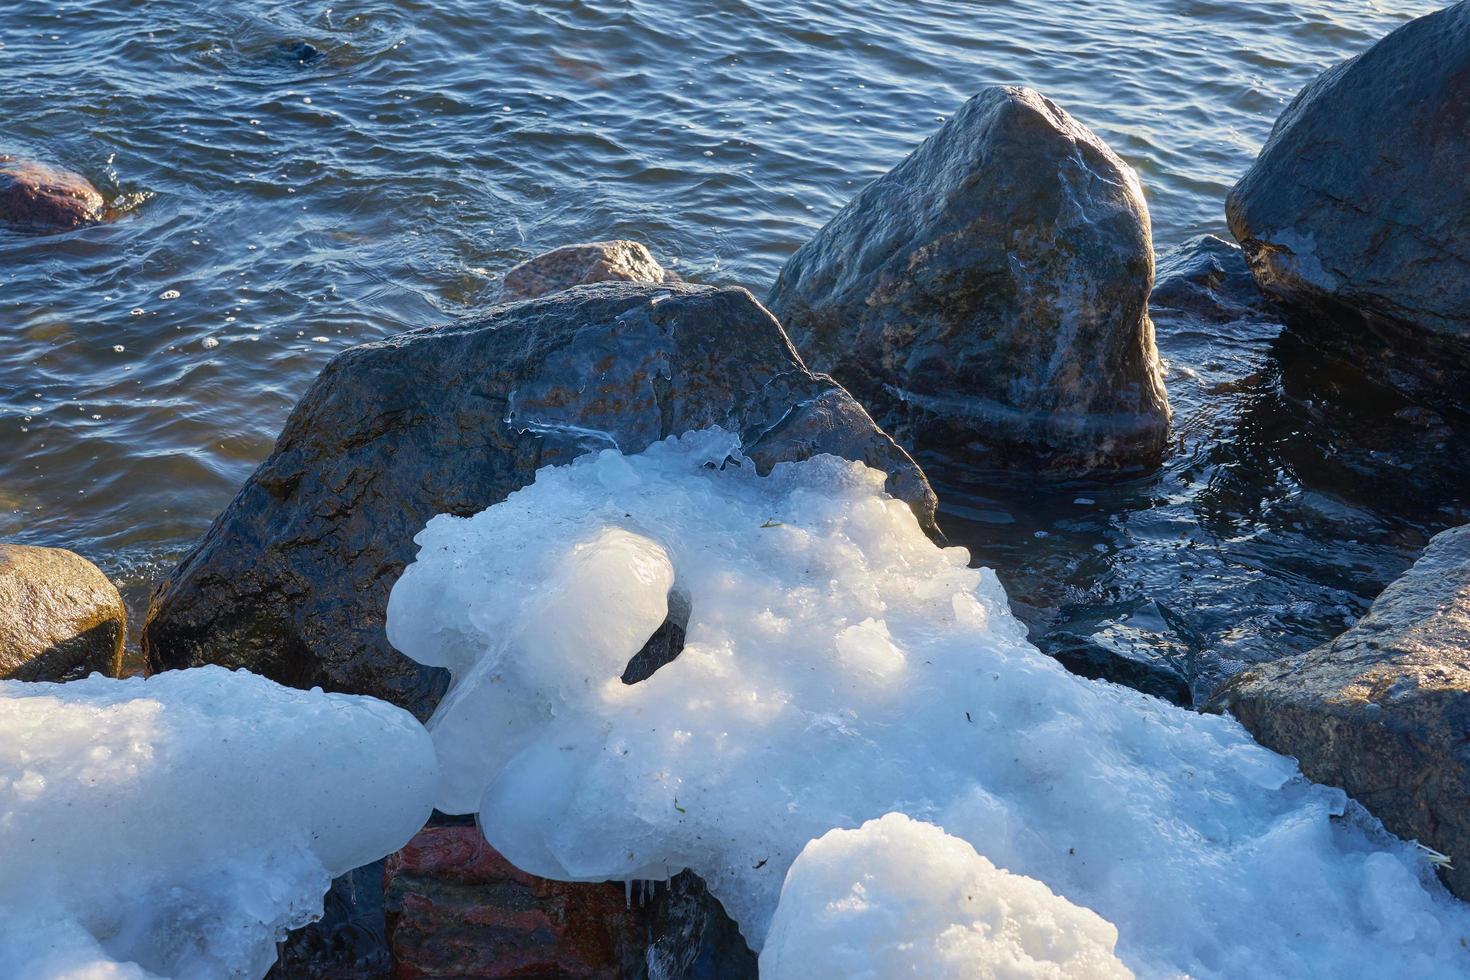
x=310, y=175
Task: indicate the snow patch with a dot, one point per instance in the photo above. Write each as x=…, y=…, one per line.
x=837, y=666
x=177, y=826
x=899, y=898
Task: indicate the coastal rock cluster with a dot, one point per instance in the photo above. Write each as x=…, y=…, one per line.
x=991, y=296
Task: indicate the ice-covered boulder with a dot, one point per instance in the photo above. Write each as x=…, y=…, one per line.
x=837, y=665
x=900, y=898
x=292, y=579
x=1384, y=710
x=574, y=265
x=178, y=826
x=1356, y=213
x=60, y=616
x=992, y=291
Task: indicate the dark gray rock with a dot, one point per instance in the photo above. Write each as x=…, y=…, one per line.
x=1356, y=214
x=1384, y=710
x=38, y=198
x=577, y=265
x=292, y=580
x=60, y=617
x=992, y=290
x=1208, y=280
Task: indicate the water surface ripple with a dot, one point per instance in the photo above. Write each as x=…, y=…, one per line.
x=311, y=175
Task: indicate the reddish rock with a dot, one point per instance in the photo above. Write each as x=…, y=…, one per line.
x=576, y=265
x=456, y=908
x=35, y=197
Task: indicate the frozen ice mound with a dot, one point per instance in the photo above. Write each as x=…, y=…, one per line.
x=177, y=826
x=837, y=666
x=900, y=898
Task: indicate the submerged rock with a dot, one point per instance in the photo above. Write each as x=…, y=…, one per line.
x=1208, y=279
x=292, y=579
x=992, y=291
x=1356, y=214
x=35, y=197
x=578, y=265
x=60, y=617
x=1383, y=710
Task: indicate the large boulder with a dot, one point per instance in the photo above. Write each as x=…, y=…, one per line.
x=577, y=265
x=1356, y=214
x=60, y=617
x=39, y=198
x=1384, y=710
x=292, y=579
x=992, y=290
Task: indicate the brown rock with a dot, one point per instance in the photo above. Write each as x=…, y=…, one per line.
x=35, y=197
x=576, y=265
x=991, y=292
x=292, y=580
x=60, y=617
x=456, y=908
x=1384, y=710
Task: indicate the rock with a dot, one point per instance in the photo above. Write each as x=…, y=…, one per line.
x=1356, y=214
x=1384, y=710
x=292, y=579
x=456, y=907
x=1143, y=644
x=60, y=617
x=349, y=941
x=577, y=265
x=35, y=197
x=992, y=290
x=1208, y=279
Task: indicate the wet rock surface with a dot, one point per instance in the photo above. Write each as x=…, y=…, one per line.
x=577, y=265
x=292, y=580
x=1384, y=710
x=456, y=908
x=60, y=617
x=1299, y=484
x=1356, y=214
x=38, y=198
x=991, y=292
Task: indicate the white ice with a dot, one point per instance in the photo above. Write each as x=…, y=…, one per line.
x=177, y=826
x=839, y=666
x=900, y=898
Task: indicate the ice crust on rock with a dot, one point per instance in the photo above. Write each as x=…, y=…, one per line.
x=177, y=826
x=837, y=665
x=901, y=898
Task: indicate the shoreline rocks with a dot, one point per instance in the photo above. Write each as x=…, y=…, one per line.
x=991, y=292
x=38, y=198
x=292, y=580
x=561, y=268
x=60, y=617
x=1384, y=710
x=1356, y=214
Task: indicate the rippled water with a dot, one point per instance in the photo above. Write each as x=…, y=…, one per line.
x=310, y=175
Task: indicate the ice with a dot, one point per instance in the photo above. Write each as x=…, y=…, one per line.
x=838, y=666
x=176, y=826
x=900, y=898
